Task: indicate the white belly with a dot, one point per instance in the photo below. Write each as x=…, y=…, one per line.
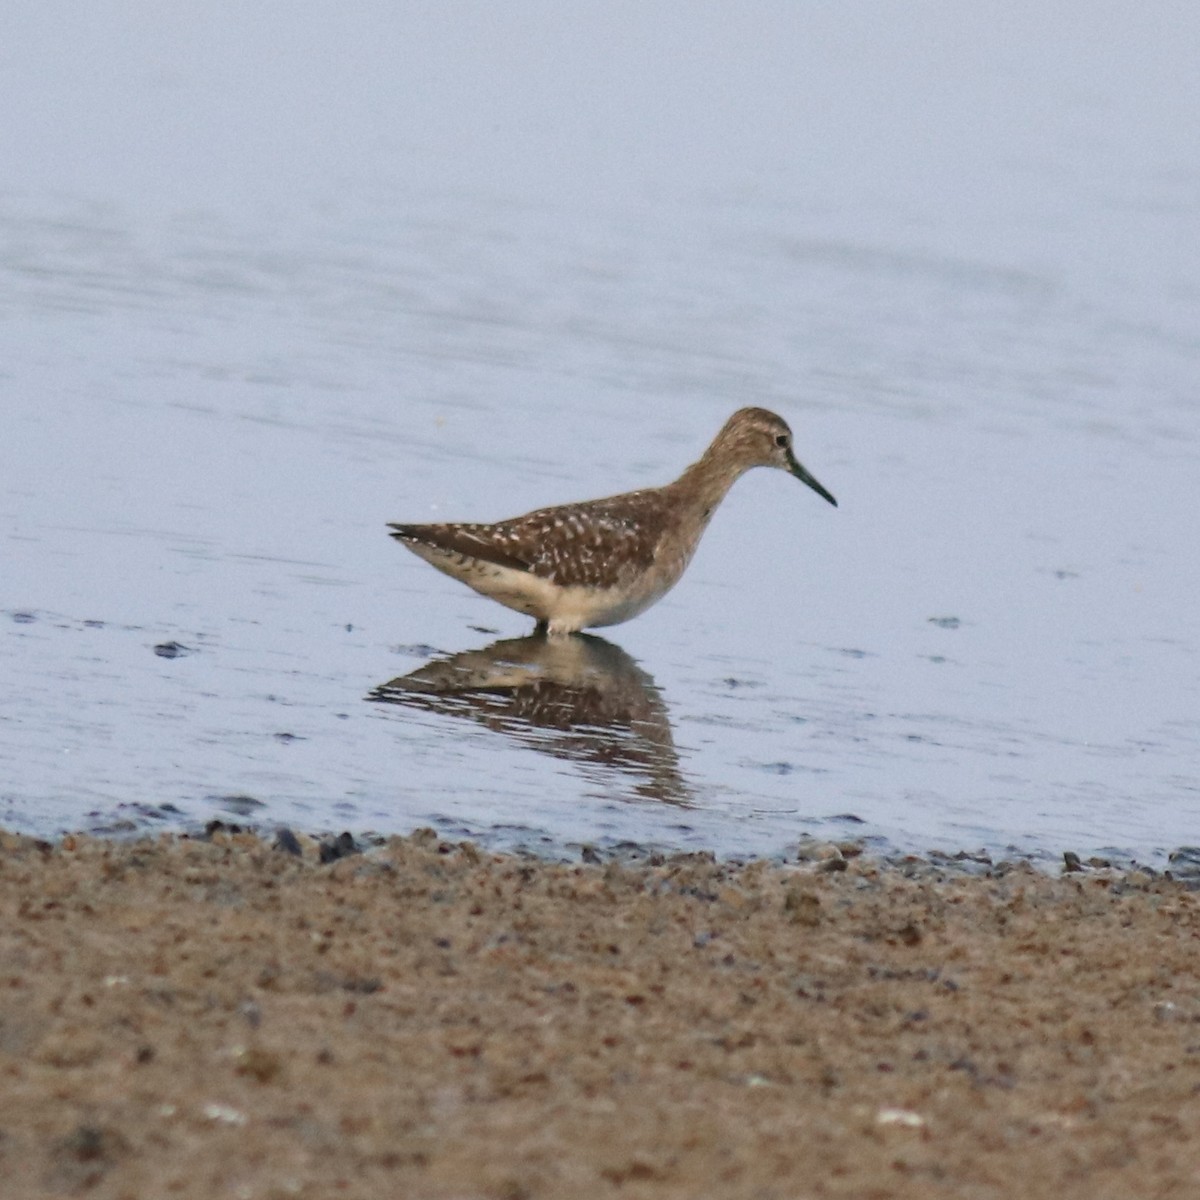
x=564, y=609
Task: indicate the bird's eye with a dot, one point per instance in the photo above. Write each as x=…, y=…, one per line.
x=781, y=440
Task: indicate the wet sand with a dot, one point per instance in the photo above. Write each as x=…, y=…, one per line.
x=226, y=1018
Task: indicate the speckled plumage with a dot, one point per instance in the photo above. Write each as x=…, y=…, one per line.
x=599, y=562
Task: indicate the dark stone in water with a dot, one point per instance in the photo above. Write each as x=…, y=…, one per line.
x=342, y=846
x=214, y=827
x=287, y=842
x=172, y=650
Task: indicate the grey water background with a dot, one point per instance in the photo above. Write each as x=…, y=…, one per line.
x=273, y=275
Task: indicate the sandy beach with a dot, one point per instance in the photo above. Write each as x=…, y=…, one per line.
x=227, y=1016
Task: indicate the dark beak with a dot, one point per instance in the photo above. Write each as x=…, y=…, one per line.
x=801, y=474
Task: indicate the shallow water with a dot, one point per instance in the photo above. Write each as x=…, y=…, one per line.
x=259, y=299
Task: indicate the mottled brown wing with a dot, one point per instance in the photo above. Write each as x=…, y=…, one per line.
x=597, y=544
x=473, y=541
x=594, y=544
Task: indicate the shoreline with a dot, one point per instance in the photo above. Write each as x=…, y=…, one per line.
x=220, y=1015
x=1181, y=862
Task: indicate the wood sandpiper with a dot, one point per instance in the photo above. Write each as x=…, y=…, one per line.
x=600, y=562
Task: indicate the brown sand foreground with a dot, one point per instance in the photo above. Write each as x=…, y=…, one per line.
x=220, y=1018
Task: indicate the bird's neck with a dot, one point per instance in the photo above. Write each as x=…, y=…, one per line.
x=706, y=481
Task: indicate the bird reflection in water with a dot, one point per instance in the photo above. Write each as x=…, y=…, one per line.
x=578, y=698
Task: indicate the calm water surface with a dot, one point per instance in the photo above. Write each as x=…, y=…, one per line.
x=258, y=299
